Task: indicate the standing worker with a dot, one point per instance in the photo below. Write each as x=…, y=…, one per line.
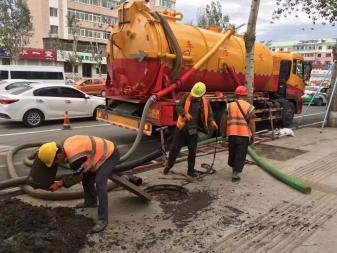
x=93, y=159
x=195, y=113
x=240, y=130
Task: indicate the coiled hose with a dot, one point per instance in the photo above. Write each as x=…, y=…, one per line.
x=69, y=195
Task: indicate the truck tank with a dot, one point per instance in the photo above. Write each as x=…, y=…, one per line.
x=140, y=49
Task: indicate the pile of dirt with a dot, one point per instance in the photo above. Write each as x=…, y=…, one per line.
x=27, y=228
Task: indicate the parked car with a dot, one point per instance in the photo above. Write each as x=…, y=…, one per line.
x=49, y=74
x=8, y=84
x=319, y=94
x=93, y=86
x=34, y=104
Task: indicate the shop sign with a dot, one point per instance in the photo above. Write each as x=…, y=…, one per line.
x=63, y=56
x=38, y=54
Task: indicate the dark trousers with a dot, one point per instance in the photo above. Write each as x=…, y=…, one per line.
x=100, y=178
x=182, y=138
x=238, y=147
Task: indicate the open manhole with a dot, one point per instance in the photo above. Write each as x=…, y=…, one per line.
x=167, y=192
x=277, y=153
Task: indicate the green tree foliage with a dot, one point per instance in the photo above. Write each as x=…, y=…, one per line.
x=211, y=15
x=315, y=9
x=15, y=26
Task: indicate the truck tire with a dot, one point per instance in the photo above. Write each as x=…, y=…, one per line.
x=288, y=112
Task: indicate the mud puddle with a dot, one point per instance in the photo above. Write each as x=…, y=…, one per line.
x=277, y=153
x=182, y=212
x=27, y=228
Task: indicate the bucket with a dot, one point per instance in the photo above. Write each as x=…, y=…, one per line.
x=41, y=176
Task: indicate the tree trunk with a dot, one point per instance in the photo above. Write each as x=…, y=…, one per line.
x=249, y=43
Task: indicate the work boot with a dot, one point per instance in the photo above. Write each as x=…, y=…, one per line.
x=166, y=170
x=236, y=176
x=85, y=205
x=194, y=173
x=99, y=226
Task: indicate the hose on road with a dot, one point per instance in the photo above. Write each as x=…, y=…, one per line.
x=293, y=182
x=69, y=195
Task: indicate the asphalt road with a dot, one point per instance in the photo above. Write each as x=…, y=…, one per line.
x=13, y=134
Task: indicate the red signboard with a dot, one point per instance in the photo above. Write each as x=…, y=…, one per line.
x=38, y=54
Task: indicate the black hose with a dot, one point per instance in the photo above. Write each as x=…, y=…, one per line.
x=132, y=164
x=172, y=41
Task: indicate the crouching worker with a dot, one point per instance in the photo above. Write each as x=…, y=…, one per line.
x=195, y=113
x=240, y=130
x=93, y=160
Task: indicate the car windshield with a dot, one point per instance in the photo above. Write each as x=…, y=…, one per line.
x=19, y=90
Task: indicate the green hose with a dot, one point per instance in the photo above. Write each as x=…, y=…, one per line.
x=293, y=182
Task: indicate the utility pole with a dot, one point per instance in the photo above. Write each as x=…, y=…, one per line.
x=249, y=38
x=332, y=116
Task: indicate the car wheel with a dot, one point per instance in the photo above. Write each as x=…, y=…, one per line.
x=103, y=93
x=94, y=116
x=319, y=102
x=33, y=118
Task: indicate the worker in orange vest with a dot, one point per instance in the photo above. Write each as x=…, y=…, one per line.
x=240, y=129
x=93, y=159
x=194, y=113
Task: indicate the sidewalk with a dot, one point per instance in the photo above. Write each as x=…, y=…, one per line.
x=258, y=214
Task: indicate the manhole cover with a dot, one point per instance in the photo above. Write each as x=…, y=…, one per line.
x=277, y=153
x=167, y=193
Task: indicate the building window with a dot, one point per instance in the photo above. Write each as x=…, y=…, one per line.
x=327, y=62
x=106, y=35
x=329, y=47
x=319, y=55
x=328, y=55
x=165, y=3
x=53, y=12
x=281, y=49
x=54, y=29
x=68, y=68
x=320, y=48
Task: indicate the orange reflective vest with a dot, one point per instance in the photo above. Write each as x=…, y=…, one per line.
x=236, y=123
x=182, y=121
x=97, y=150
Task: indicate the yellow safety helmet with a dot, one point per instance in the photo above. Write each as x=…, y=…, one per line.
x=198, y=90
x=47, y=153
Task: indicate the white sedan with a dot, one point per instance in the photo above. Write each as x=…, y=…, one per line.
x=35, y=103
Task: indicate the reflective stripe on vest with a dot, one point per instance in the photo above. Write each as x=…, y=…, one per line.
x=181, y=120
x=97, y=150
x=236, y=123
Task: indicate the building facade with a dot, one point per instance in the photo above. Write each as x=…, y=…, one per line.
x=58, y=23
x=318, y=52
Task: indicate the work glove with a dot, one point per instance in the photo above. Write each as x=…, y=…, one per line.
x=56, y=186
x=188, y=116
x=214, y=125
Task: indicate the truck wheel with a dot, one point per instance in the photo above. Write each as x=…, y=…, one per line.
x=287, y=113
x=319, y=102
x=33, y=118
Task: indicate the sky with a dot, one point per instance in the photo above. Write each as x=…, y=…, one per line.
x=286, y=29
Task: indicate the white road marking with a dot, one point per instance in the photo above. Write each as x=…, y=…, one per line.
x=308, y=115
x=15, y=164
x=54, y=130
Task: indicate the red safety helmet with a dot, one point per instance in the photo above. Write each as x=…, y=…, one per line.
x=241, y=91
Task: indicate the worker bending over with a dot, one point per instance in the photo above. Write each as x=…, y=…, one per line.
x=240, y=130
x=93, y=160
x=194, y=113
